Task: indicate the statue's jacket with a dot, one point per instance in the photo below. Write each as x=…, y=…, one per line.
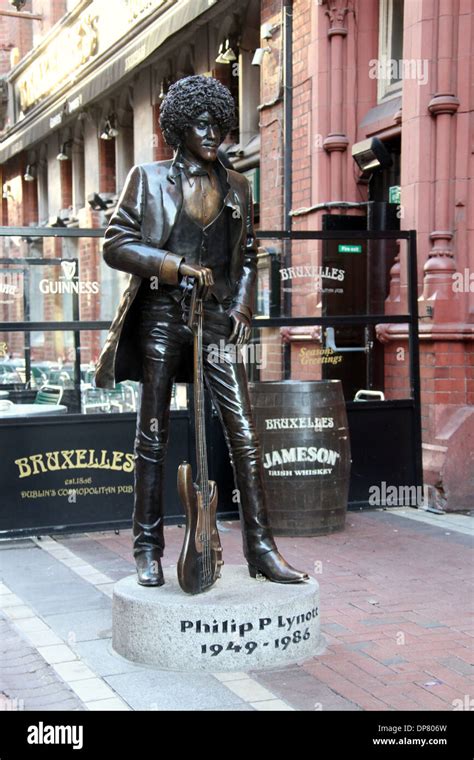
x=134, y=242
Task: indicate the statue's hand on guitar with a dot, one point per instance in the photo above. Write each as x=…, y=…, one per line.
x=202, y=275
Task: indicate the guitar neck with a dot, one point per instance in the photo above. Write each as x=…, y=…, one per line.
x=199, y=408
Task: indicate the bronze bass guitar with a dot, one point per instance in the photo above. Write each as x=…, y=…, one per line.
x=201, y=556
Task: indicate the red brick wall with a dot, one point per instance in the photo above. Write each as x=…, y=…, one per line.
x=397, y=370
x=161, y=151
x=107, y=180
x=301, y=108
x=271, y=126
x=271, y=169
x=272, y=164
x=271, y=119
x=66, y=183
x=304, y=252
x=272, y=354
x=16, y=32
x=30, y=202
x=447, y=377
x=22, y=210
x=9, y=34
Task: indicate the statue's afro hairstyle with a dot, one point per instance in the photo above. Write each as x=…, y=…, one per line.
x=189, y=97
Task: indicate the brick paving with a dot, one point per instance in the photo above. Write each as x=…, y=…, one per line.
x=396, y=614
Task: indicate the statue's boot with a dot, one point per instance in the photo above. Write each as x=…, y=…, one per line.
x=259, y=545
x=148, y=542
x=148, y=563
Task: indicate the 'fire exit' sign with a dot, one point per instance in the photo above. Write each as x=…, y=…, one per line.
x=394, y=194
x=342, y=248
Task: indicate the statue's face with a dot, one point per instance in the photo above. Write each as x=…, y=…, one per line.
x=203, y=138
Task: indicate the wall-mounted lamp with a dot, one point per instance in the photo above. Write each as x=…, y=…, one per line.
x=165, y=84
x=162, y=92
x=30, y=173
x=229, y=56
x=7, y=191
x=63, y=154
x=226, y=53
x=259, y=55
x=110, y=131
x=220, y=54
x=371, y=154
x=267, y=31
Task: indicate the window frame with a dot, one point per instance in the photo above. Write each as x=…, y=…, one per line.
x=386, y=90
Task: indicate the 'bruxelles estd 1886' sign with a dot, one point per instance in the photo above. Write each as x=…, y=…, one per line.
x=63, y=474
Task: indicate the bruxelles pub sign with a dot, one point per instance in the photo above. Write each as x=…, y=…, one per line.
x=81, y=39
x=68, y=472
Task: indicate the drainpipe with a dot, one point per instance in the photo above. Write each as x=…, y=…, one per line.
x=288, y=156
x=288, y=109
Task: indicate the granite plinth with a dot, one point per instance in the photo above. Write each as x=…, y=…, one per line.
x=239, y=624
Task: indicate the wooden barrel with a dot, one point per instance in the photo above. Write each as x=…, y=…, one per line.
x=302, y=427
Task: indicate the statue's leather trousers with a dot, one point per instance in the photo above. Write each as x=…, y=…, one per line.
x=163, y=337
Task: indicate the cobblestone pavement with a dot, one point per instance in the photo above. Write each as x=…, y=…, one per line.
x=396, y=614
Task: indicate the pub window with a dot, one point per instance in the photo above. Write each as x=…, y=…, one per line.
x=55, y=285
x=389, y=63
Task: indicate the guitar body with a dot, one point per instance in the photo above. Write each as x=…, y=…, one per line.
x=198, y=569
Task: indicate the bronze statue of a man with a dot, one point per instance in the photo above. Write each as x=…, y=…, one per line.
x=187, y=218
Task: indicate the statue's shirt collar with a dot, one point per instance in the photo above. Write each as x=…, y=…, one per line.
x=231, y=197
x=191, y=168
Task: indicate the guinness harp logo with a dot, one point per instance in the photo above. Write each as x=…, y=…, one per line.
x=69, y=283
x=69, y=269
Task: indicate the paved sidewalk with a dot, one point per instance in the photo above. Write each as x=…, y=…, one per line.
x=397, y=594
x=23, y=671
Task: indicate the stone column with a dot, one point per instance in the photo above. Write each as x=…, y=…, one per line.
x=336, y=141
x=143, y=119
x=440, y=267
x=91, y=157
